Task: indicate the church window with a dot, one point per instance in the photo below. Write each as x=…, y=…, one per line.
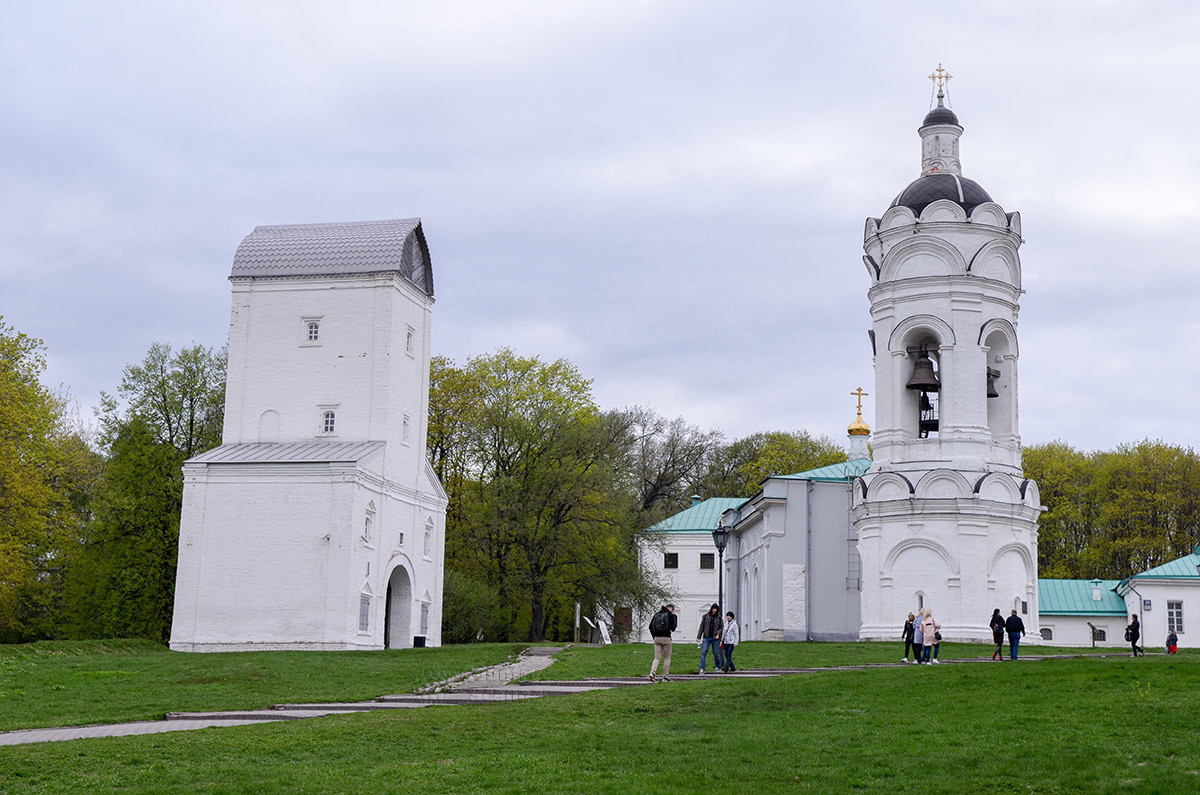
x=1047, y=633
x=920, y=601
x=1174, y=616
x=410, y=340
x=328, y=421
x=707, y=560
x=670, y=560
x=369, y=524
x=425, y=618
x=1099, y=635
x=404, y=433
x=428, y=537
x=364, y=613
x=310, y=331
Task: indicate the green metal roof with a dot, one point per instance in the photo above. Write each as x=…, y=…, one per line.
x=700, y=518
x=1180, y=567
x=847, y=470
x=1074, y=598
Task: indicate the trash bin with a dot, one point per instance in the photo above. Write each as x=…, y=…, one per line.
x=418, y=641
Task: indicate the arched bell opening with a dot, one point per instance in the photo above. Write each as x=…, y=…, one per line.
x=1001, y=394
x=924, y=387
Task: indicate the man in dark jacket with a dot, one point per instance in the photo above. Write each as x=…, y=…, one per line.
x=1015, y=628
x=709, y=636
x=661, y=627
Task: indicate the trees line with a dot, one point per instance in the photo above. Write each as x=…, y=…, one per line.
x=549, y=493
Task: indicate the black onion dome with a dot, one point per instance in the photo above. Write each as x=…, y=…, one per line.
x=966, y=193
x=940, y=115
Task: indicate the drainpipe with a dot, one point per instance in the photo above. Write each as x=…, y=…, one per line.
x=808, y=560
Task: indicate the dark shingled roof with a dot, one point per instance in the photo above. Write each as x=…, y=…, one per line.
x=337, y=249
x=922, y=192
x=940, y=115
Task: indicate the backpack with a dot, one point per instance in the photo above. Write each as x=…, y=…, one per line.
x=660, y=625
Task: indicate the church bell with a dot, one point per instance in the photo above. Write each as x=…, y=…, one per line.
x=992, y=375
x=923, y=377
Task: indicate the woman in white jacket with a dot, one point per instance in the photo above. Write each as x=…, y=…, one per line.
x=729, y=639
x=931, y=628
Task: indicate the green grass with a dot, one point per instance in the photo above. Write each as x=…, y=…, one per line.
x=1070, y=725
x=78, y=683
x=633, y=659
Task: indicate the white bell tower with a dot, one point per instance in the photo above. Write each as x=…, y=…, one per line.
x=945, y=518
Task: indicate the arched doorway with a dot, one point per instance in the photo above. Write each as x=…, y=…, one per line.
x=397, y=611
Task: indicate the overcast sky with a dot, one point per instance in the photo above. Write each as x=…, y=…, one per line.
x=669, y=194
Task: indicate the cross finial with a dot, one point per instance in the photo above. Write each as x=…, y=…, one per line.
x=940, y=77
x=860, y=394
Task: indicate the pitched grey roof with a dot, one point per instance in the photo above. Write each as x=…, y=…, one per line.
x=337, y=249
x=289, y=452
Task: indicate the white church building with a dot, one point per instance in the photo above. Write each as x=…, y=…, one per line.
x=318, y=523
x=941, y=515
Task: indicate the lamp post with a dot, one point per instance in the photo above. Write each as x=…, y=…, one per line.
x=721, y=540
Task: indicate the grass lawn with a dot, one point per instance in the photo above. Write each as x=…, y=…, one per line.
x=633, y=659
x=1078, y=725
x=80, y=683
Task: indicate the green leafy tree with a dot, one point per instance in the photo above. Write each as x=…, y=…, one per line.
x=29, y=430
x=540, y=509
x=170, y=408
x=739, y=468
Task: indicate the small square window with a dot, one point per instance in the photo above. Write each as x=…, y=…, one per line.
x=364, y=613
x=310, y=330
x=1024, y=607
x=671, y=560
x=708, y=560
x=1099, y=635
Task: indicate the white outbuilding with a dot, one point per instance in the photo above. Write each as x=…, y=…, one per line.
x=318, y=523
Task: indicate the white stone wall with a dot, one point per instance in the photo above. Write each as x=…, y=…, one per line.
x=1074, y=630
x=293, y=576
x=361, y=366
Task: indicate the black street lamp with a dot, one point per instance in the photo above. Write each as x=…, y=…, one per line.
x=721, y=540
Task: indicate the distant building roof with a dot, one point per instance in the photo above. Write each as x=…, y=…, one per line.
x=702, y=517
x=289, y=452
x=847, y=470
x=1076, y=598
x=337, y=249
x=1180, y=567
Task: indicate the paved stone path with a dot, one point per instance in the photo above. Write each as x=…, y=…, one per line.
x=488, y=685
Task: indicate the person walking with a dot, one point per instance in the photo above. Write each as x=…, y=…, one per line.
x=931, y=628
x=1015, y=628
x=661, y=626
x=997, y=625
x=709, y=635
x=907, y=634
x=918, y=636
x=729, y=641
x=1133, y=634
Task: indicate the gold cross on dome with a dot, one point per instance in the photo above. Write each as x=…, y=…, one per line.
x=860, y=394
x=940, y=77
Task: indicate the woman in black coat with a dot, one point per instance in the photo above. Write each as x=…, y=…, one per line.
x=1134, y=633
x=997, y=625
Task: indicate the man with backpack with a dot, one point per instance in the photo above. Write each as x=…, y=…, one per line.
x=661, y=626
